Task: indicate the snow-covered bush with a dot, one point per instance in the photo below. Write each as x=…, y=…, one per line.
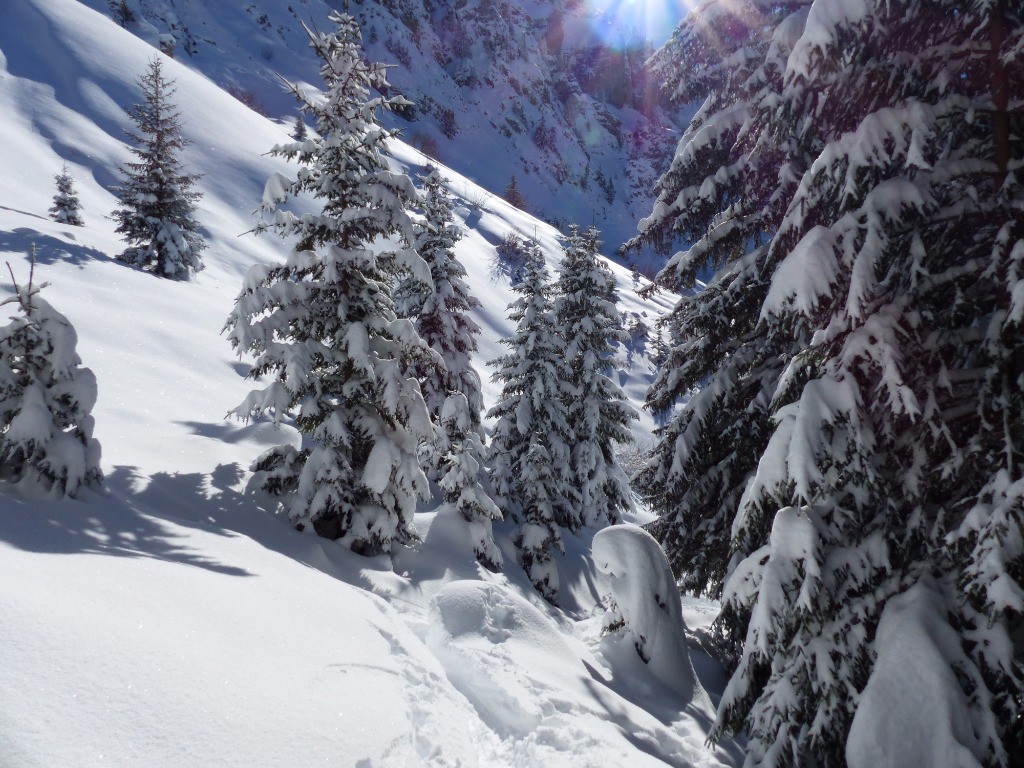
x=324, y=325
x=158, y=202
x=461, y=452
x=510, y=257
x=46, y=442
x=66, y=208
x=646, y=607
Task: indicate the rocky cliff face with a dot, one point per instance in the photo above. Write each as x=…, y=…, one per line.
x=500, y=89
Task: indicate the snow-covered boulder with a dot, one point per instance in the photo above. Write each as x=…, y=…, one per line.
x=646, y=607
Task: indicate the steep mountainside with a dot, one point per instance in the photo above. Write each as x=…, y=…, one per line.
x=500, y=89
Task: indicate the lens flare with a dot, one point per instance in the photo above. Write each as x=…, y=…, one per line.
x=624, y=22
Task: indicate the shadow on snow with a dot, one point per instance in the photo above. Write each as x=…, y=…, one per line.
x=49, y=249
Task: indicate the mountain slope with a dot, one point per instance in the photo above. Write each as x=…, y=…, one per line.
x=172, y=618
x=500, y=88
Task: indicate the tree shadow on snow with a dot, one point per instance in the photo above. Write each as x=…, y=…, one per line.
x=615, y=713
x=118, y=522
x=49, y=249
x=260, y=432
x=141, y=516
x=214, y=503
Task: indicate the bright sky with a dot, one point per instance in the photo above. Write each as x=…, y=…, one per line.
x=620, y=20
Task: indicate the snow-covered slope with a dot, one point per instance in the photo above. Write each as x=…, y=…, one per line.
x=533, y=89
x=171, y=618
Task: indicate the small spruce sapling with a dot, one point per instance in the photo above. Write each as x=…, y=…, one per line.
x=299, y=132
x=122, y=12
x=513, y=195
x=66, y=207
x=46, y=442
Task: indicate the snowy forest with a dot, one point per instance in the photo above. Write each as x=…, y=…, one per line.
x=489, y=383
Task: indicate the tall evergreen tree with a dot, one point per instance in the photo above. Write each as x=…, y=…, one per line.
x=724, y=194
x=324, y=322
x=886, y=498
x=157, y=198
x=45, y=399
x=441, y=311
x=587, y=315
x=898, y=444
x=452, y=392
x=66, y=208
x=530, y=451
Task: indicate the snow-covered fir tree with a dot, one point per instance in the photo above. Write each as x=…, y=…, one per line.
x=46, y=399
x=66, y=208
x=442, y=315
x=530, y=450
x=874, y=578
x=441, y=310
x=461, y=451
x=158, y=202
x=323, y=324
x=539, y=534
x=723, y=195
x=898, y=447
x=587, y=315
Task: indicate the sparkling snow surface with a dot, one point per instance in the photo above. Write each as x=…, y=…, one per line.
x=172, y=619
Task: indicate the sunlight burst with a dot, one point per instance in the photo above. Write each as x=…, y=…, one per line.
x=621, y=21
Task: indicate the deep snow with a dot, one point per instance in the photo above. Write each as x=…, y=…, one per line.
x=172, y=618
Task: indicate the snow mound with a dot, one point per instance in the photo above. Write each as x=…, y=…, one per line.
x=647, y=604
